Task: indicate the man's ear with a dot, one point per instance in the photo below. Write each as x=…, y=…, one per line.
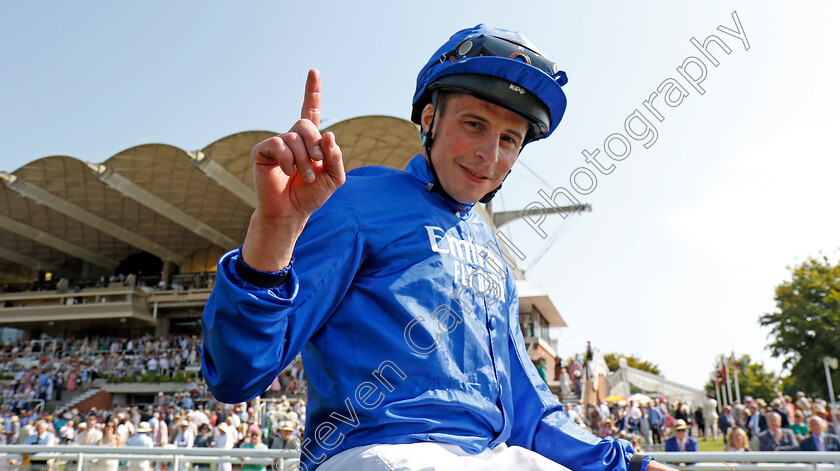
x=426, y=117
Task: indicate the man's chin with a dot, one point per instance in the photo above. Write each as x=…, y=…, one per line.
x=467, y=199
x=470, y=196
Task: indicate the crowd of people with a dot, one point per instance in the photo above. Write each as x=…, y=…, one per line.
x=177, y=283
x=173, y=421
x=785, y=424
x=39, y=374
x=47, y=369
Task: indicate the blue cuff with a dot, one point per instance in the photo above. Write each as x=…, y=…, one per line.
x=640, y=462
x=261, y=279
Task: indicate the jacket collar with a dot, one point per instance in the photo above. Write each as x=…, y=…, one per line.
x=419, y=168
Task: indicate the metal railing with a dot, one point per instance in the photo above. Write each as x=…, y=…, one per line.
x=759, y=460
x=79, y=458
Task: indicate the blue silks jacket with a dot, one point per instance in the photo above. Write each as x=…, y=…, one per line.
x=408, y=322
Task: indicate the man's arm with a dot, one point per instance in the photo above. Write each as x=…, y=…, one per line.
x=260, y=313
x=251, y=333
x=541, y=425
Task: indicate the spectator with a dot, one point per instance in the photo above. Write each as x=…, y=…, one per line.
x=12, y=432
x=81, y=433
x=803, y=403
x=254, y=440
x=737, y=440
x=726, y=421
x=204, y=440
x=799, y=427
x=644, y=425
x=635, y=442
x=161, y=436
x=607, y=429
x=776, y=438
x=681, y=412
x=681, y=441
x=789, y=408
x=779, y=408
x=700, y=420
x=285, y=439
x=140, y=439
x=739, y=413
x=657, y=421
x=819, y=439
x=110, y=438
x=93, y=435
x=634, y=418
x=41, y=436
x=762, y=414
x=67, y=432
x=184, y=439
x=754, y=420
x=225, y=441
x=124, y=428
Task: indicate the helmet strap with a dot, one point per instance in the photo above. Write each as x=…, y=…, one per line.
x=489, y=196
x=427, y=138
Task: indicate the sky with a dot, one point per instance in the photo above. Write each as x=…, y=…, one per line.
x=688, y=236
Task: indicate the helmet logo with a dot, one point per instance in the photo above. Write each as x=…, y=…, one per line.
x=517, y=88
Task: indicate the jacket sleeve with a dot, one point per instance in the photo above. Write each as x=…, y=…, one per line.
x=541, y=425
x=251, y=333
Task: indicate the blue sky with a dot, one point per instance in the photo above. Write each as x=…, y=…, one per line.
x=687, y=238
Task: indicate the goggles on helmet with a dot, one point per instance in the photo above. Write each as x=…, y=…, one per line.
x=485, y=45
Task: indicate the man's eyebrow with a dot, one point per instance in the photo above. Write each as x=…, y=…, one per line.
x=476, y=117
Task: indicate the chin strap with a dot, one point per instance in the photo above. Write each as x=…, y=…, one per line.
x=489, y=196
x=426, y=140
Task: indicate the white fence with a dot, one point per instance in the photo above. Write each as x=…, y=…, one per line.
x=80, y=458
x=759, y=460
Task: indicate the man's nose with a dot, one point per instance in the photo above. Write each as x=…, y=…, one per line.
x=488, y=149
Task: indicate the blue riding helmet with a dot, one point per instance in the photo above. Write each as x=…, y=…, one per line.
x=499, y=66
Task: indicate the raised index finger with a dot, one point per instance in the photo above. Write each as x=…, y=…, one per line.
x=311, y=109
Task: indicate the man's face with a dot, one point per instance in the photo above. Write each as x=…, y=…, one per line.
x=815, y=425
x=475, y=145
x=774, y=421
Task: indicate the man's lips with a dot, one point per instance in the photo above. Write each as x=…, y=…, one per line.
x=474, y=174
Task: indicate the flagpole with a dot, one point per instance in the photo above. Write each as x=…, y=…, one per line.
x=735, y=370
x=717, y=391
x=728, y=383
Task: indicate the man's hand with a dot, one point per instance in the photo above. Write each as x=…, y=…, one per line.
x=294, y=174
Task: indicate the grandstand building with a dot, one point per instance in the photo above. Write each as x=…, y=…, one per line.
x=128, y=247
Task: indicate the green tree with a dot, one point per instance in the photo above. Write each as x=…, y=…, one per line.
x=753, y=379
x=632, y=361
x=804, y=324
